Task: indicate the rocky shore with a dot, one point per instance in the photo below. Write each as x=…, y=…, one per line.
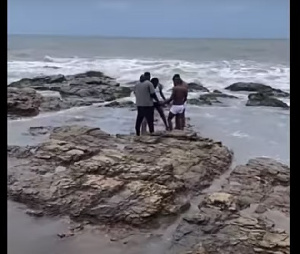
x=74, y=91
x=147, y=183
x=99, y=179
x=25, y=97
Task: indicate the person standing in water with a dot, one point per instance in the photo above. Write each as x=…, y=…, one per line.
x=145, y=93
x=179, y=98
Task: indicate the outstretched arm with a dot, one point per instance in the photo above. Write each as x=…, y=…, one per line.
x=170, y=99
x=161, y=92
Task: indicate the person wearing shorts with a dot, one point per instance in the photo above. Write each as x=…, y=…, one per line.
x=178, y=97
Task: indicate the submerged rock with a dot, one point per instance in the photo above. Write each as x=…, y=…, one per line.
x=90, y=175
x=23, y=102
x=260, y=99
x=222, y=224
x=257, y=87
x=210, y=98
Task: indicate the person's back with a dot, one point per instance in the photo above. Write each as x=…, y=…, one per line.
x=179, y=94
x=143, y=91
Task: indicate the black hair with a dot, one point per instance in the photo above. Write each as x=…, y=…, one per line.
x=142, y=78
x=176, y=76
x=147, y=75
x=155, y=81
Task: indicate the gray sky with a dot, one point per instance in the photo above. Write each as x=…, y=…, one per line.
x=151, y=18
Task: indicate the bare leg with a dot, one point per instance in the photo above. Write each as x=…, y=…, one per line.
x=181, y=121
x=162, y=115
x=177, y=122
x=170, y=117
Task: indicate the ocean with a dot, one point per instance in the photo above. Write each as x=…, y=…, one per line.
x=216, y=63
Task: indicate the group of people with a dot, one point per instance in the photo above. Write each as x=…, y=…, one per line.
x=148, y=90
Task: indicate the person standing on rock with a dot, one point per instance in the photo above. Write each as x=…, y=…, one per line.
x=158, y=90
x=145, y=93
x=179, y=98
x=178, y=81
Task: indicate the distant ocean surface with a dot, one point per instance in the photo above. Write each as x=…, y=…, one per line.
x=216, y=63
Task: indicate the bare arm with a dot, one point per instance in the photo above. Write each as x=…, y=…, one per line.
x=170, y=99
x=161, y=92
x=152, y=92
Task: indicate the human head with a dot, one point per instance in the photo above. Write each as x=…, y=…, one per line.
x=177, y=80
x=155, y=81
x=147, y=76
x=142, y=78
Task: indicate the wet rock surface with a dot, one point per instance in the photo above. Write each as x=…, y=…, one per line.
x=90, y=175
x=224, y=222
x=23, y=102
x=257, y=87
x=261, y=99
x=121, y=104
x=195, y=87
x=214, y=98
x=75, y=90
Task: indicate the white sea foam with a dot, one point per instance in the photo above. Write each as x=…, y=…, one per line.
x=214, y=74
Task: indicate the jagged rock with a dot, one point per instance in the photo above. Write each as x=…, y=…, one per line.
x=257, y=87
x=122, y=104
x=23, y=102
x=39, y=130
x=75, y=90
x=197, y=87
x=210, y=98
x=261, y=99
x=215, y=95
x=217, y=228
x=90, y=175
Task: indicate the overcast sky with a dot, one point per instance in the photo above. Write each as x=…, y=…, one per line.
x=151, y=18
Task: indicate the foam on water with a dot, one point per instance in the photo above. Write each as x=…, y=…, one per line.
x=213, y=74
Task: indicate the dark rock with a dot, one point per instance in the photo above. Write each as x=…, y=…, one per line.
x=76, y=90
x=23, y=102
x=199, y=102
x=197, y=87
x=260, y=99
x=215, y=95
x=123, y=104
x=257, y=87
x=34, y=213
x=40, y=130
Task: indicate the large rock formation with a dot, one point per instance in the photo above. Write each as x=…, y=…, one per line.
x=257, y=87
x=237, y=218
x=75, y=90
x=196, y=87
x=261, y=99
x=89, y=175
x=23, y=102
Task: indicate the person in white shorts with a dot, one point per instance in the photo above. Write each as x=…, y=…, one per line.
x=178, y=97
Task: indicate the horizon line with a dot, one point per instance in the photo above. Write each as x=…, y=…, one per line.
x=150, y=37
